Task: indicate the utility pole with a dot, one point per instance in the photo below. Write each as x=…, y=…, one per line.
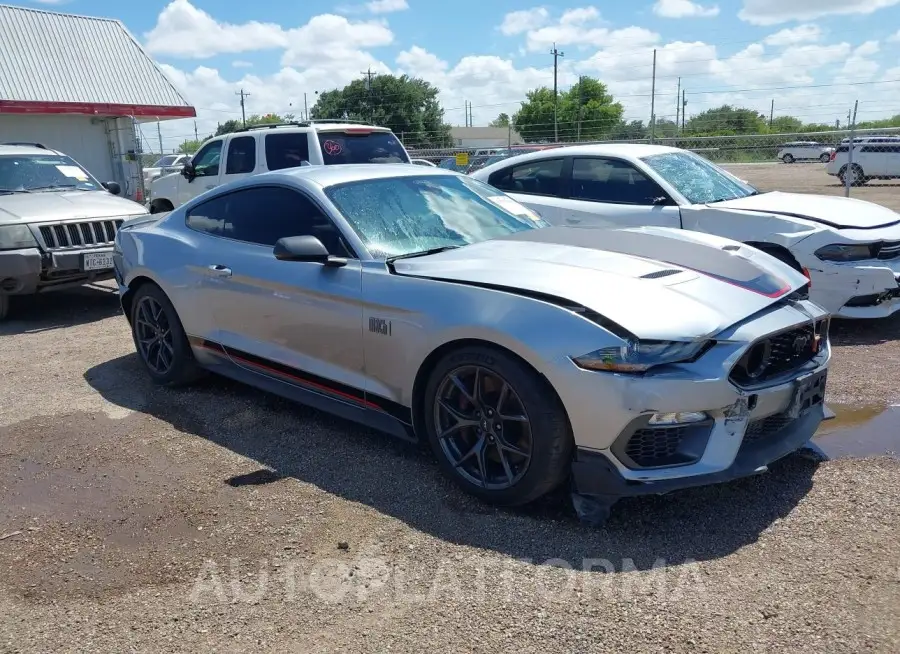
x=369, y=75
x=305, y=108
x=849, y=175
x=159, y=135
x=471, y=121
x=772, y=113
x=580, y=107
x=556, y=55
x=653, y=101
x=678, y=106
x=196, y=136
x=243, y=107
x=683, y=108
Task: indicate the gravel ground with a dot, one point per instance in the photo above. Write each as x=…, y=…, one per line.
x=134, y=518
x=812, y=178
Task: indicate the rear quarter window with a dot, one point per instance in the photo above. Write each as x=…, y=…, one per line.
x=361, y=147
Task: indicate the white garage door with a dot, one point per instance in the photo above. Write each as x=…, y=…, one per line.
x=77, y=136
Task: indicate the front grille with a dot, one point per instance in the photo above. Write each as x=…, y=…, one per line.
x=80, y=234
x=655, y=446
x=759, y=430
x=779, y=354
x=889, y=250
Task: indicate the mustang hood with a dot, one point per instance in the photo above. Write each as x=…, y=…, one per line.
x=63, y=205
x=831, y=210
x=655, y=282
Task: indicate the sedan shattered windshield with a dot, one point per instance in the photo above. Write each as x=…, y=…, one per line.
x=404, y=215
x=697, y=179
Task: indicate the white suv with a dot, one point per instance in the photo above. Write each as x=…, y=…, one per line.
x=804, y=151
x=258, y=149
x=874, y=157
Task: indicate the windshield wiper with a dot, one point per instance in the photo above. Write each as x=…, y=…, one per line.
x=422, y=253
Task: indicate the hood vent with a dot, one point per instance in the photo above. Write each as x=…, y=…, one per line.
x=660, y=273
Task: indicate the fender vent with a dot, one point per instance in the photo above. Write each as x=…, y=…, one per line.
x=660, y=273
x=731, y=248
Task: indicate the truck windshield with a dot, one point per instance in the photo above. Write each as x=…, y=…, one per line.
x=361, y=146
x=43, y=172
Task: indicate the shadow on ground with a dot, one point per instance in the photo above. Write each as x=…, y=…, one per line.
x=398, y=480
x=67, y=308
x=865, y=332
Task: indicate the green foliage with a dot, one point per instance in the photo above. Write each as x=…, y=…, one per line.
x=407, y=105
x=585, y=112
x=189, y=146
x=500, y=121
x=234, y=125
x=726, y=120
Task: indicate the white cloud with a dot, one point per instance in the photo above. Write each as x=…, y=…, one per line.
x=51, y=2
x=583, y=28
x=386, y=6
x=772, y=12
x=519, y=22
x=183, y=30
x=807, y=33
x=684, y=9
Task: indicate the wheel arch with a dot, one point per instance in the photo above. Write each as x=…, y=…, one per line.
x=775, y=249
x=132, y=287
x=430, y=362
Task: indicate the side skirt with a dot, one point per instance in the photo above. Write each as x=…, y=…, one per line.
x=304, y=388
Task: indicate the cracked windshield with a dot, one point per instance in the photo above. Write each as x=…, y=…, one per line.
x=369, y=326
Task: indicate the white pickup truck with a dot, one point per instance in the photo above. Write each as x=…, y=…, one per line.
x=272, y=147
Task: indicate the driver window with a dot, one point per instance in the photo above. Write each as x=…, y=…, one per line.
x=206, y=163
x=238, y=216
x=613, y=181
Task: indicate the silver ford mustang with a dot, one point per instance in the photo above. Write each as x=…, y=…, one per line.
x=429, y=305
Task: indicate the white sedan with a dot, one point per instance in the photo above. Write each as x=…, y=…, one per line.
x=848, y=248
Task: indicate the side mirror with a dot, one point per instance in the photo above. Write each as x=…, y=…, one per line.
x=306, y=248
x=188, y=172
x=113, y=187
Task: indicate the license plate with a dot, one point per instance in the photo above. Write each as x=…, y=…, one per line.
x=97, y=261
x=808, y=392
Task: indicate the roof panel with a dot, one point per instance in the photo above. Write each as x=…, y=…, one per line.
x=48, y=57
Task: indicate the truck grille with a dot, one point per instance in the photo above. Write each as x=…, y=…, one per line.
x=779, y=354
x=80, y=234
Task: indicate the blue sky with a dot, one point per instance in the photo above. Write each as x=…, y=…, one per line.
x=813, y=57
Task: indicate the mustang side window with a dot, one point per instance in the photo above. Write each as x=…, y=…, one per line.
x=264, y=214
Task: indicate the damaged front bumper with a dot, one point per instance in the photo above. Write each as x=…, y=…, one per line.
x=850, y=290
x=739, y=435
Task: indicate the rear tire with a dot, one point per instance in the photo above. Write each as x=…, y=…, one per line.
x=855, y=172
x=508, y=442
x=788, y=159
x=159, y=338
x=825, y=158
x=4, y=306
x=782, y=255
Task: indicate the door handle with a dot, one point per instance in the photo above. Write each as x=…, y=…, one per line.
x=572, y=220
x=220, y=270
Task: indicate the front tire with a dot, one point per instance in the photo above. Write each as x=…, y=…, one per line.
x=4, y=306
x=160, y=340
x=496, y=426
x=788, y=159
x=825, y=158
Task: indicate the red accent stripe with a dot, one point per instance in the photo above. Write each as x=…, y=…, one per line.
x=781, y=291
x=95, y=109
x=218, y=349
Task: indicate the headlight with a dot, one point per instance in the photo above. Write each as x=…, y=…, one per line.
x=638, y=356
x=15, y=237
x=846, y=252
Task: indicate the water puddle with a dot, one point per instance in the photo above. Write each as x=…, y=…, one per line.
x=860, y=431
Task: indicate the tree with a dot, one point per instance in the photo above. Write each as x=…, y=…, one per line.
x=585, y=112
x=234, y=125
x=625, y=131
x=726, y=120
x=407, y=105
x=190, y=146
x=785, y=125
x=501, y=121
